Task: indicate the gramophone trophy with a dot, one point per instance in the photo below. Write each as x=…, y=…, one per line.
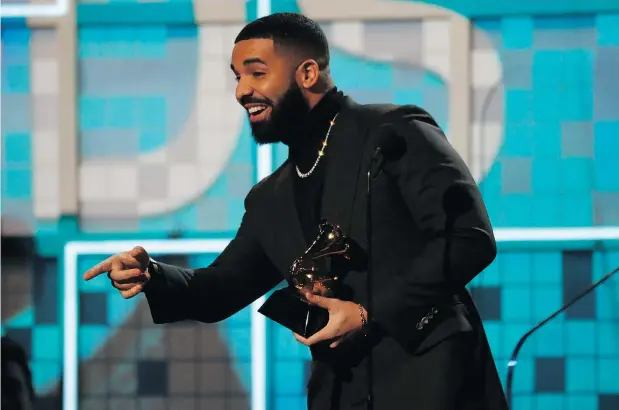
x=310, y=272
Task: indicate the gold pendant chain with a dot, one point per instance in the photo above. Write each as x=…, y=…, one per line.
x=321, y=153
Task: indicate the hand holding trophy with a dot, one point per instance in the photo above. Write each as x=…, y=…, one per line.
x=309, y=273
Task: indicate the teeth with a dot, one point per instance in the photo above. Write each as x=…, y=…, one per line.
x=254, y=110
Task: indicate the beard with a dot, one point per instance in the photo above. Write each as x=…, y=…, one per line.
x=287, y=118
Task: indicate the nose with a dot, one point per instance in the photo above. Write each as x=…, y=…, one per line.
x=243, y=89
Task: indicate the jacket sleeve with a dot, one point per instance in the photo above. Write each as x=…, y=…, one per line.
x=238, y=276
x=448, y=209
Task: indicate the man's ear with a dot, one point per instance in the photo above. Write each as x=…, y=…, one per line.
x=307, y=74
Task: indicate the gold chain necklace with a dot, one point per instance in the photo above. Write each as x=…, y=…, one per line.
x=321, y=153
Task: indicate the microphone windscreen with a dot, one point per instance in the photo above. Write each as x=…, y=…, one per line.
x=392, y=145
x=457, y=199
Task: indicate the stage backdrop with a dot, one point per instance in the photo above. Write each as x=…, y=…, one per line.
x=119, y=121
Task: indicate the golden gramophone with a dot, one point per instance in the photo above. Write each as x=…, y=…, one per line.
x=310, y=272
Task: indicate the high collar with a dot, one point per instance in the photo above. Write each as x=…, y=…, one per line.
x=304, y=147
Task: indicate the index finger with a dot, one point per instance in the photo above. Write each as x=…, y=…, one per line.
x=326, y=333
x=98, y=269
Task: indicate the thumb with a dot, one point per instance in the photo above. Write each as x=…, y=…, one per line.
x=129, y=293
x=318, y=300
x=336, y=342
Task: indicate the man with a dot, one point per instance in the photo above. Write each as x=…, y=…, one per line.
x=431, y=236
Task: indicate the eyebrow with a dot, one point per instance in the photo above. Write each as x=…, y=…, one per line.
x=248, y=61
x=254, y=60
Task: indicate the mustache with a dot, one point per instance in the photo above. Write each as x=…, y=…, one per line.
x=253, y=100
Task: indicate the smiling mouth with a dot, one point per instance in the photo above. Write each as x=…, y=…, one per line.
x=256, y=112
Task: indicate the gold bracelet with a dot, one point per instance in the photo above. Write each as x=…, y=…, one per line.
x=364, y=322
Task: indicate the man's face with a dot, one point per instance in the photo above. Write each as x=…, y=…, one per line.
x=267, y=89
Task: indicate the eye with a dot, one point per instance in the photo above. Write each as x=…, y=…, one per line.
x=258, y=74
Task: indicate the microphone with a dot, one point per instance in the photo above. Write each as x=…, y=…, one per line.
x=513, y=361
x=389, y=146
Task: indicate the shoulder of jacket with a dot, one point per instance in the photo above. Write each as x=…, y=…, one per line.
x=371, y=114
x=378, y=114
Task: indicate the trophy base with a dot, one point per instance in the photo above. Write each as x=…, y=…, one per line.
x=288, y=308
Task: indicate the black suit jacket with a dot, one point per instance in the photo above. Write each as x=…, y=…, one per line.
x=431, y=236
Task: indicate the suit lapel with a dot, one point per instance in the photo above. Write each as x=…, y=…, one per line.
x=343, y=154
x=288, y=233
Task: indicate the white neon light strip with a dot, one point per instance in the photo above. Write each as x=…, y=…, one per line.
x=563, y=234
x=258, y=322
x=59, y=9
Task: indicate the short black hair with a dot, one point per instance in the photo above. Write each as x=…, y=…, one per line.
x=290, y=30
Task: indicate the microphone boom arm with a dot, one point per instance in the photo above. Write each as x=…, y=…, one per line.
x=513, y=361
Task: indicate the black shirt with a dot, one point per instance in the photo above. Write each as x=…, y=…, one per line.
x=303, y=153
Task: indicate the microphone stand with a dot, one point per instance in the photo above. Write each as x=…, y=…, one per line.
x=370, y=376
x=511, y=365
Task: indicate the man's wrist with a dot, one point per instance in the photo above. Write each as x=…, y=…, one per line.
x=363, y=315
x=152, y=267
x=153, y=271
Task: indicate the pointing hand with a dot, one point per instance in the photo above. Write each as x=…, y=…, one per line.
x=128, y=271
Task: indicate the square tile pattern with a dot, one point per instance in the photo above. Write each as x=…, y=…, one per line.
x=554, y=168
x=157, y=113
